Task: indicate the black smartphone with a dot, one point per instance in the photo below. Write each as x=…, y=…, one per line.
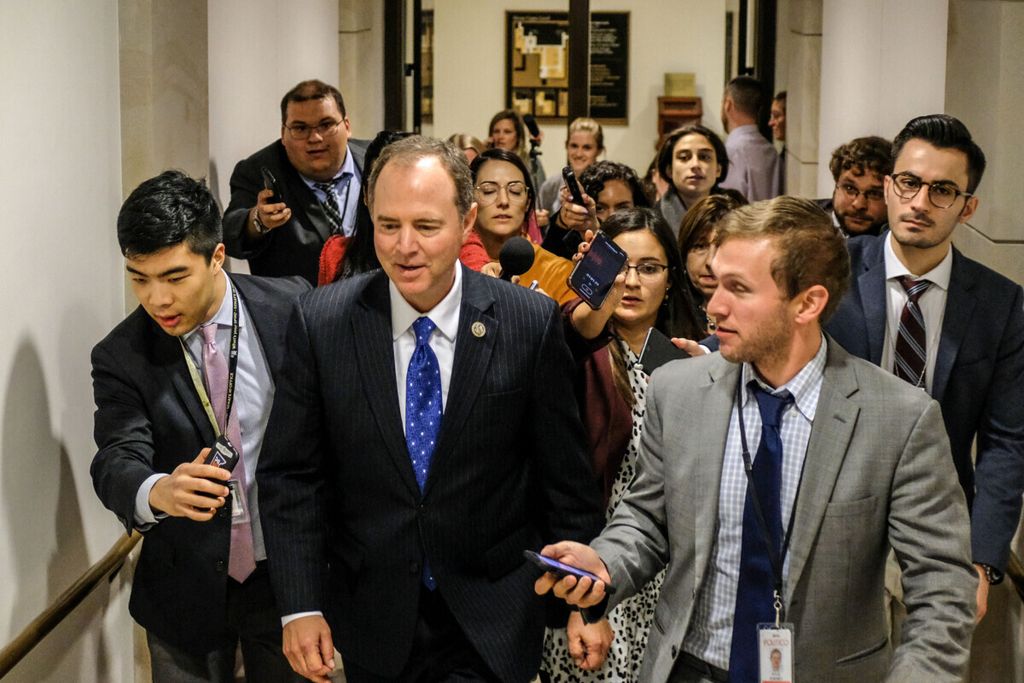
x=574, y=187
x=562, y=570
x=658, y=350
x=595, y=273
x=222, y=454
x=270, y=183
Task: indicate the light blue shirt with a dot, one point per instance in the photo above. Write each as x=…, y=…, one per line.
x=254, y=395
x=710, y=634
x=348, y=198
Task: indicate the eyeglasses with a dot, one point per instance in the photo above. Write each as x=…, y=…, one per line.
x=941, y=194
x=301, y=131
x=487, y=192
x=851, y=192
x=646, y=271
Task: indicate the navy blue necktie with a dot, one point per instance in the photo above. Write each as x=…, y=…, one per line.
x=755, y=592
x=423, y=410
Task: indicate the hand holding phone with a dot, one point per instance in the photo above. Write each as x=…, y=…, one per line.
x=270, y=183
x=658, y=350
x=561, y=570
x=595, y=273
x=573, y=185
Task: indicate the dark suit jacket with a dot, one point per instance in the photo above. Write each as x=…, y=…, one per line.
x=346, y=528
x=978, y=380
x=293, y=248
x=149, y=419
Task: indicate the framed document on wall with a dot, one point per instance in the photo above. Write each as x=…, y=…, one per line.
x=537, y=65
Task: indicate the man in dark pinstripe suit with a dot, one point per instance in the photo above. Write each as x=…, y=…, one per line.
x=412, y=564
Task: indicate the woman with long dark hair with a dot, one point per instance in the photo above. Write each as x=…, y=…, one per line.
x=693, y=160
x=606, y=344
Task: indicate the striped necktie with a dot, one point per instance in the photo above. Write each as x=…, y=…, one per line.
x=911, y=346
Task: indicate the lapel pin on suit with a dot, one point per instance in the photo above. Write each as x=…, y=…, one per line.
x=478, y=329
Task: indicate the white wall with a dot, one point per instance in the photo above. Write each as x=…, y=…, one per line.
x=469, y=68
x=60, y=292
x=863, y=88
x=258, y=50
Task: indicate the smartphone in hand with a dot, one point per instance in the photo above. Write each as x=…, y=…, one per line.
x=561, y=570
x=658, y=350
x=574, y=187
x=270, y=183
x=595, y=273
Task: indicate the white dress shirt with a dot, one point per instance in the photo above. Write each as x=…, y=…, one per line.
x=254, y=394
x=710, y=634
x=932, y=304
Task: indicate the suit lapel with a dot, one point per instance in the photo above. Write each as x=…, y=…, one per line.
x=304, y=199
x=960, y=302
x=716, y=401
x=834, y=421
x=472, y=357
x=871, y=288
x=269, y=328
x=371, y=328
x=169, y=355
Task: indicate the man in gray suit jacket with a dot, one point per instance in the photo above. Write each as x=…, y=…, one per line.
x=318, y=170
x=861, y=464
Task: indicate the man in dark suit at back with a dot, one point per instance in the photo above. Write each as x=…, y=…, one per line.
x=426, y=434
x=319, y=173
x=947, y=324
x=198, y=358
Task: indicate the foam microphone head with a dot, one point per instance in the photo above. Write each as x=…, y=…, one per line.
x=516, y=257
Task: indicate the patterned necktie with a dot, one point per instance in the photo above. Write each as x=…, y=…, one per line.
x=755, y=592
x=423, y=410
x=332, y=189
x=241, y=561
x=911, y=358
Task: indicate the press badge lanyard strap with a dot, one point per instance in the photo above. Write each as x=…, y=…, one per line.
x=197, y=379
x=776, y=557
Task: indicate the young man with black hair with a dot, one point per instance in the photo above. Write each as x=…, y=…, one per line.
x=197, y=359
x=946, y=324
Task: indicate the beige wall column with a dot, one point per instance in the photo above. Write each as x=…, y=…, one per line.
x=799, y=54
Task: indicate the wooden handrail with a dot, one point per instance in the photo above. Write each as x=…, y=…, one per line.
x=34, y=633
x=1015, y=570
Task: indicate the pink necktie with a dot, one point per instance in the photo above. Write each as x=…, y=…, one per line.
x=215, y=370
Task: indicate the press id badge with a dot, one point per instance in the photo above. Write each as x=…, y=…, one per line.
x=239, y=503
x=775, y=653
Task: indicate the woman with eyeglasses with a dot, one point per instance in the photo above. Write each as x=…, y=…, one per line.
x=696, y=233
x=505, y=199
x=606, y=344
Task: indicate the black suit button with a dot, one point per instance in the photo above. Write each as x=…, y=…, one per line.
x=414, y=567
x=220, y=566
x=675, y=651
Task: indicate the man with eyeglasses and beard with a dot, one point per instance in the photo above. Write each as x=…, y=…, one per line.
x=317, y=170
x=947, y=324
x=857, y=205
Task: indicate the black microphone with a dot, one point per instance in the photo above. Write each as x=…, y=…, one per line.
x=516, y=257
x=531, y=125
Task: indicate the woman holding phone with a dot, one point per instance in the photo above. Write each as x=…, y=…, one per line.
x=606, y=344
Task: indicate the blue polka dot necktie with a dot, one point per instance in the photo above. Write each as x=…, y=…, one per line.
x=423, y=410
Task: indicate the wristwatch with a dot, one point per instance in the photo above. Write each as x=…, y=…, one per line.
x=258, y=224
x=992, y=575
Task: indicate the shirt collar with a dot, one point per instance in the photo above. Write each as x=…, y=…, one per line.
x=938, y=276
x=223, y=315
x=445, y=314
x=347, y=166
x=802, y=386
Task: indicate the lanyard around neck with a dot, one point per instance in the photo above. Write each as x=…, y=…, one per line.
x=197, y=379
x=776, y=556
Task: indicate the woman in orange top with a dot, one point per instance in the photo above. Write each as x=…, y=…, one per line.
x=506, y=198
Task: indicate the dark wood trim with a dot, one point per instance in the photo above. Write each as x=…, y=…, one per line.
x=579, y=58
x=417, y=66
x=394, y=64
